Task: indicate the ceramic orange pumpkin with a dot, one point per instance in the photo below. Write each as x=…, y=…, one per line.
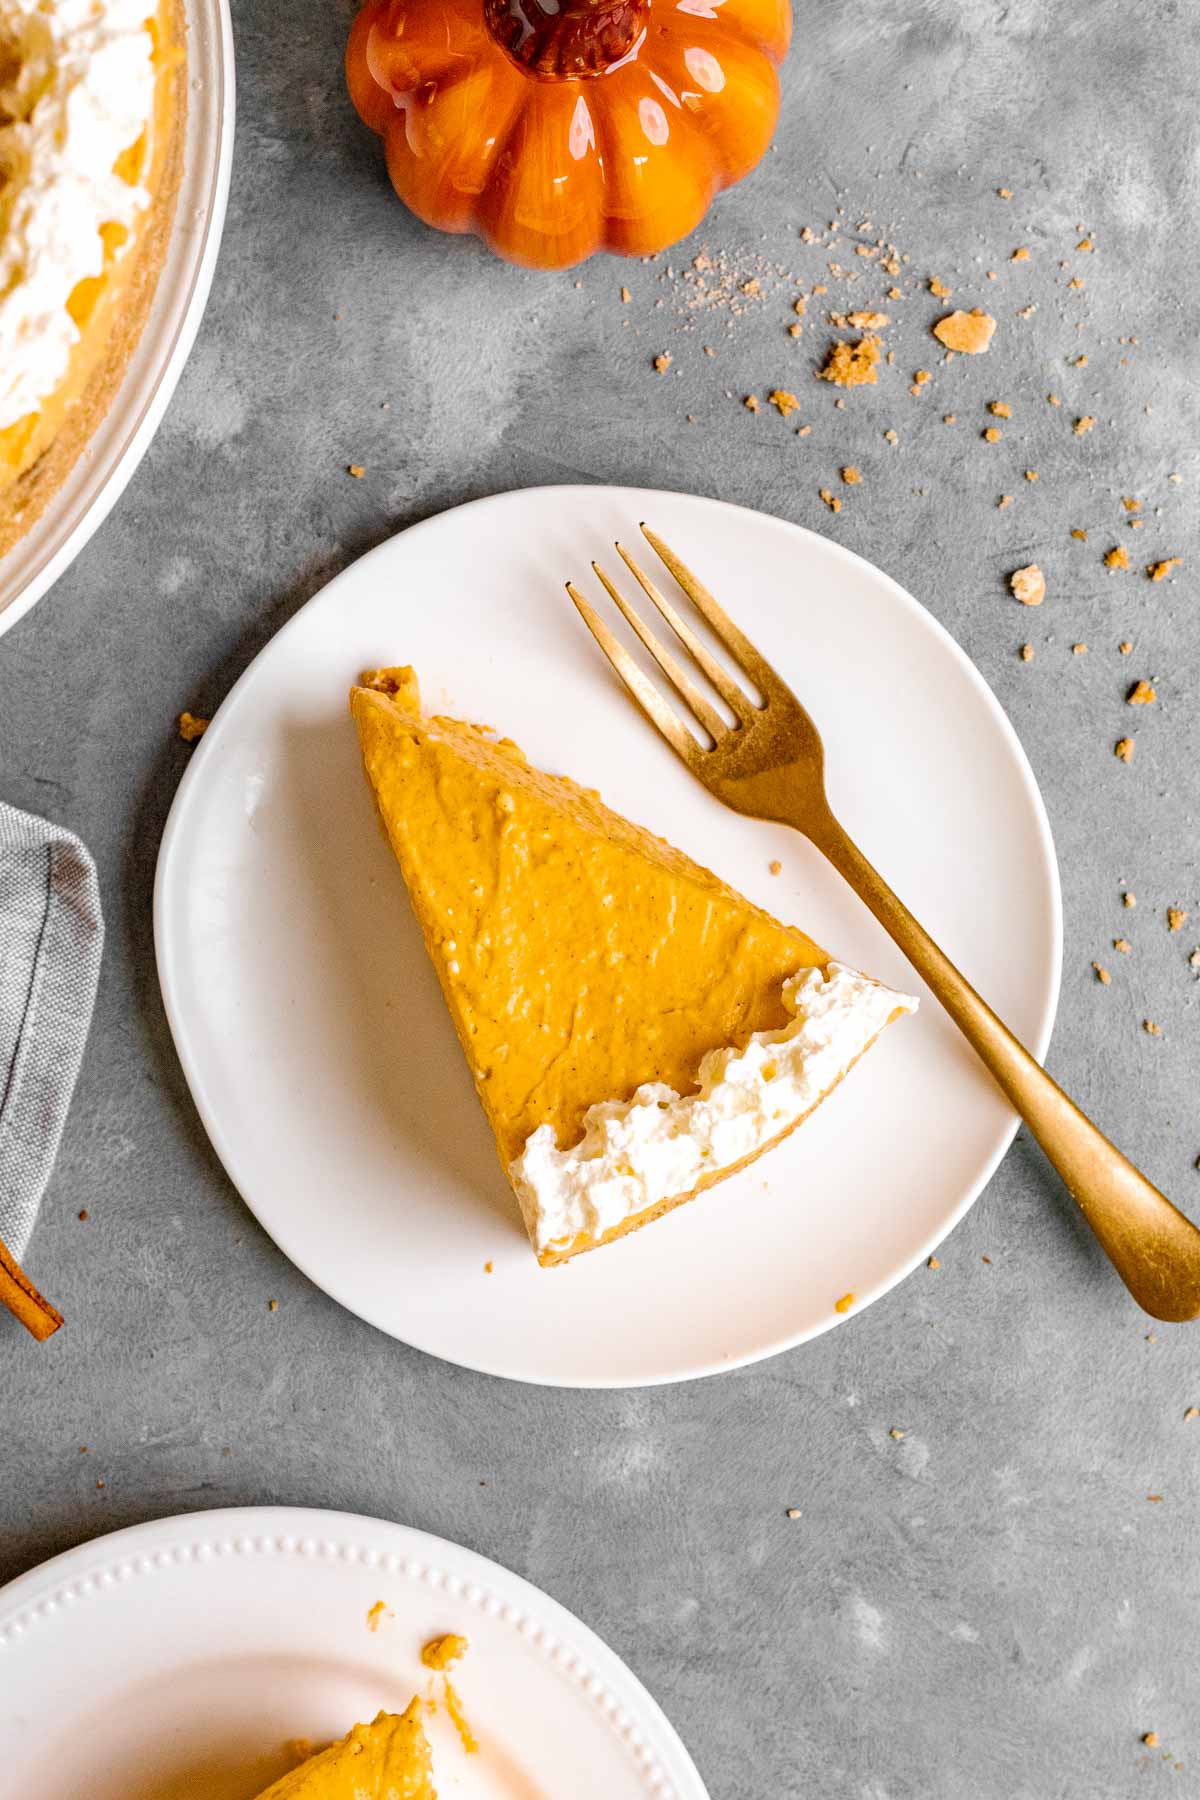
x=554, y=128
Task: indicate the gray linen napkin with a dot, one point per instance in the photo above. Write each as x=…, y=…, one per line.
x=51, y=936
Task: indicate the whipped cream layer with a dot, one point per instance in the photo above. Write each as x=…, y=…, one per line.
x=82, y=93
x=635, y=1153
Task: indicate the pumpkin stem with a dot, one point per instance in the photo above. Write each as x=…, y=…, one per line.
x=566, y=39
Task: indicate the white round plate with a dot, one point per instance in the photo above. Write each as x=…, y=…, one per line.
x=115, y=449
x=313, y=1033
x=178, y=1658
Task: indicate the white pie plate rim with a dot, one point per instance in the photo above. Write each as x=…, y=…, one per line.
x=512, y=520
x=109, y=458
x=98, y=1614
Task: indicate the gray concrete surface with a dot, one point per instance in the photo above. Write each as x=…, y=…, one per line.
x=992, y=1605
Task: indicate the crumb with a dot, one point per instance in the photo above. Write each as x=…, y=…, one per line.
x=272, y=1306
x=1150, y=1739
x=970, y=332
x=987, y=1260
x=84, y=1214
x=191, y=728
x=852, y=365
x=1160, y=570
x=626, y=296
x=1001, y=409
x=1151, y=1028
x=1026, y=652
x=1031, y=474
x=775, y=867
x=1085, y=244
x=1124, y=646
x=1102, y=974
x=1117, y=557
x=100, y=1482
x=793, y=1512
x=1078, y=649
x=949, y=418
x=1193, y=1412
x=783, y=402
x=992, y=434
x=708, y=350
x=1028, y=585
x=933, y=1263
x=1053, y=400
x=1020, y=255
x=868, y=321
x=844, y=1304
x=1194, y=963
x=1175, y=478
x=894, y=293
x=1129, y=900
x=752, y=288
x=1082, y=426
x=1177, y=918
x=921, y=377
x=938, y=288
x=488, y=1268
x=851, y=476
x=377, y=1613
x=1141, y=694
x=751, y=402
x=1078, y=532
x=662, y=361
x=800, y=306
x=1123, y=945
x=892, y=437
x=1124, y=748
x=803, y=430
x=443, y=1652
x=1004, y=500
x=896, y=1433
x=1077, y=282
x=1004, y=193
x=831, y=500
x=356, y=469
x=795, y=330
x=1079, y=362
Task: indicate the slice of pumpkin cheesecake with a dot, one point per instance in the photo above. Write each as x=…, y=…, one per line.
x=636, y=1029
x=386, y=1760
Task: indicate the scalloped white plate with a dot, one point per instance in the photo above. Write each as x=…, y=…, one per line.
x=176, y=1659
x=314, y=1037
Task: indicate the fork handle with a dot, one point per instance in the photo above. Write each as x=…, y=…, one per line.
x=1152, y=1246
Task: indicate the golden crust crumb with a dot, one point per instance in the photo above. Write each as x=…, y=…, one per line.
x=1026, y=653
x=1150, y=1739
x=751, y=402
x=970, y=332
x=783, y=402
x=1082, y=426
x=852, y=365
x=938, y=288
x=1004, y=500
x=868, y=321
x=1021, y=254
x=1078, y=532
x=1078, y=649
x=844, y=1304
x=933, y=1263
x=1031, y=475
x=1029, y=585
x=1141, y=694
x=663, y=361
x=1123, y=945
x=1117, y=557
x=1152, y=1030
x=1124, y=748
x=1102, y=974
x=1177, y=918
x=831, y=500
x=355, y=469
x=1000, y=408
x=191, y=728
x=626, y=296
x=851, y=476
x=1158, y=571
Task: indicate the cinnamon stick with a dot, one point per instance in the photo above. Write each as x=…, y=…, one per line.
x=23, y=1300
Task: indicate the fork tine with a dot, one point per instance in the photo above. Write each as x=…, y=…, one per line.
x=730, y=691
x=735, y=641
x=657, y=710
x=708, y=715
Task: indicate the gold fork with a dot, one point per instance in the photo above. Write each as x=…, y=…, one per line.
x=770, y=764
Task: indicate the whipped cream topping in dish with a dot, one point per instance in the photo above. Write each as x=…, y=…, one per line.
x=76, y=90
x=635, y=1153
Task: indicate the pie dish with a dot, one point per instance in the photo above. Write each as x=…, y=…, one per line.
x=388, y=1759
x=92, y=125
x=636, y=1029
